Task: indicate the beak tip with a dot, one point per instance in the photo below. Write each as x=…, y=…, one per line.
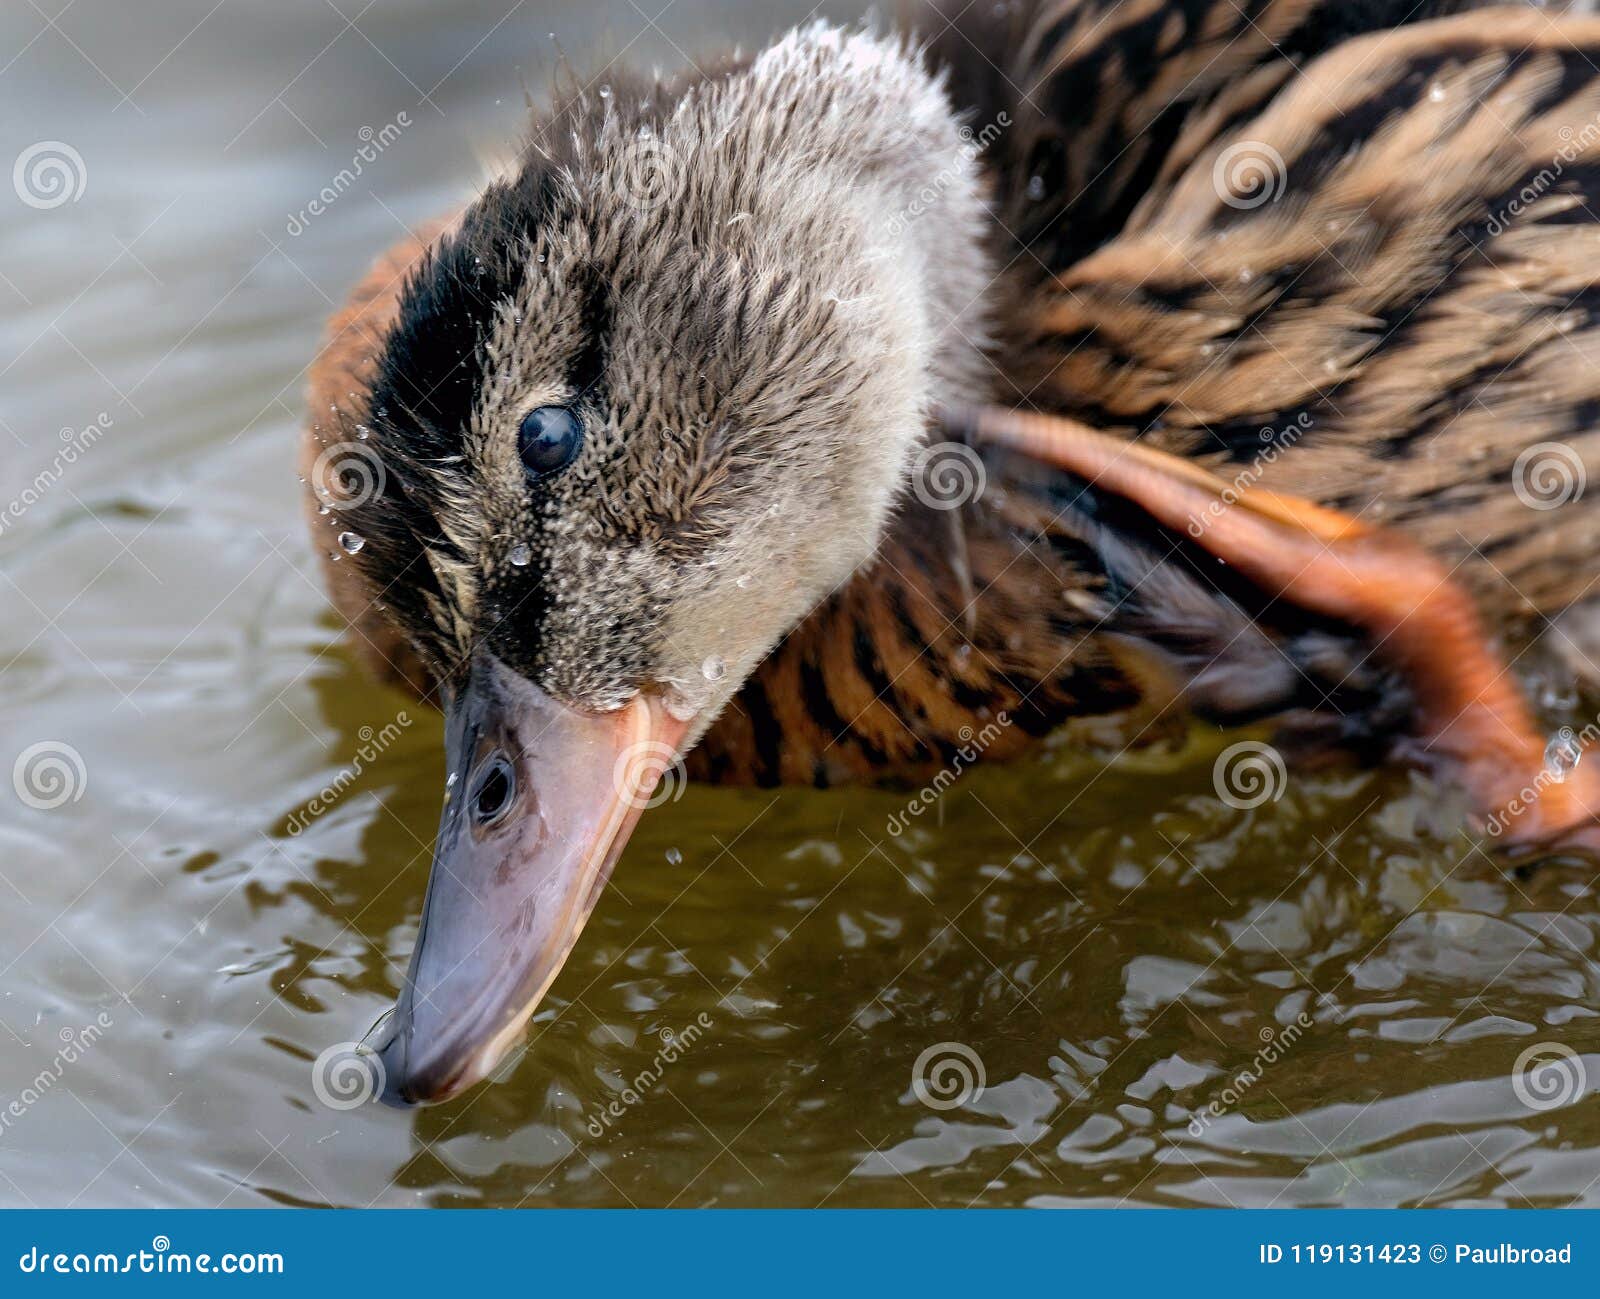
x=406, y=1081
x=389, y=1043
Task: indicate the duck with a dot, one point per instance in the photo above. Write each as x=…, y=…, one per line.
x=796, y=418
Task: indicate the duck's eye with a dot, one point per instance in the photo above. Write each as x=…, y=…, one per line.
x=549, y=439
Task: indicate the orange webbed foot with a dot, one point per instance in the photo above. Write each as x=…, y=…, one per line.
x=1471, y=718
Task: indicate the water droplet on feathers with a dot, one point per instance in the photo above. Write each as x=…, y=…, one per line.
x=1562, y=754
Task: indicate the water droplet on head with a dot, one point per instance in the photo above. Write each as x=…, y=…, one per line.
x=714, y=669
x=1036, y=188
x=363, y=432
x=605, y=92
x=520, y=555
x=674, y=857
x=351, y=542
x=743, y=581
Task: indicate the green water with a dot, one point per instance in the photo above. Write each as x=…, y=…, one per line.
x=1100, y=938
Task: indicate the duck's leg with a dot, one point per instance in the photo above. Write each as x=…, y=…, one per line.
x=1470, y=710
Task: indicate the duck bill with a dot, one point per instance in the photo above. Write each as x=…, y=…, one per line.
x=541, y=801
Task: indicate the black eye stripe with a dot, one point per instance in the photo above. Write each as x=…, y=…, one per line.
x=549, y=440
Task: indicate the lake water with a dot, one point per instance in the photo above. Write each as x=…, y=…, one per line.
x=1099, y=941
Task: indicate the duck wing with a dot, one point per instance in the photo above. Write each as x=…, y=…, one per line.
x=1387, y=279
x=1344, y=343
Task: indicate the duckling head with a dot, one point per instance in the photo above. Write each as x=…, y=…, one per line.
x=645, y=404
